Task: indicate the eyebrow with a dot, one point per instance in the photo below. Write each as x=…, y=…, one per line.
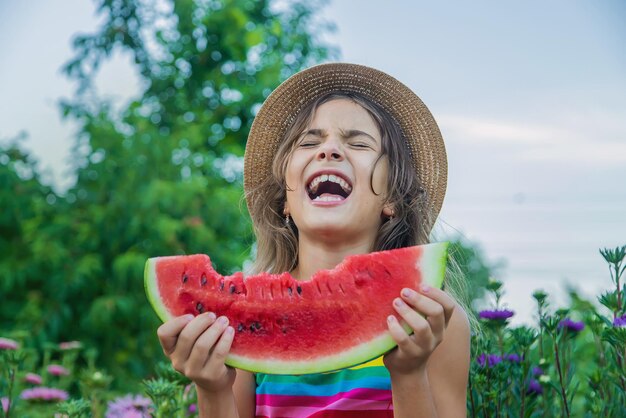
x=350, y=133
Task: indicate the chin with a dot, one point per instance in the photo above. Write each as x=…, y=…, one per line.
x=334, y=232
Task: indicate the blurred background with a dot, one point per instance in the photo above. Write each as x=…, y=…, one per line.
x=123, y=125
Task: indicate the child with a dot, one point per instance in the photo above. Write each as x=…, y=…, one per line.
x=341, y=159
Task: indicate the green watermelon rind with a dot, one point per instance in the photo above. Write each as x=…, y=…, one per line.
x=152, y=290
x=432, y=264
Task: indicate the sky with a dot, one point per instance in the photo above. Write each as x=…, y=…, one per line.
x=529, y=97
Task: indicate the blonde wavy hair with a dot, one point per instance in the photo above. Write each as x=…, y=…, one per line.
x=277, y=241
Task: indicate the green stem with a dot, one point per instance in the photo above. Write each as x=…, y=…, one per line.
x=619, y=292
x=10, y=397
x=96, y=409
x=484, y=400
x=471, y=394
x=501, y=346
x=620, y=366
x=522, y=388
x=558, y=367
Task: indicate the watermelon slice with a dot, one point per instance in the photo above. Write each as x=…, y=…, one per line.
x=285, y=326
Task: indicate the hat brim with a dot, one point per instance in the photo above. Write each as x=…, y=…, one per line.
x=418, y=126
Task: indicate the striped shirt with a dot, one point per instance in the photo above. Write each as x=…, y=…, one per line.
x=362, y=391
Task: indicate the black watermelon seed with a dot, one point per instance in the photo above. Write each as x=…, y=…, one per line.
x=232, y=288
x=199, y=307
x=299, y=290
x=185, y=278
x=203, y=280
x=290, y=291
x=240, y=327
x=222, y=285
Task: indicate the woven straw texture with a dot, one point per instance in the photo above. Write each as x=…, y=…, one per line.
x=415, y=120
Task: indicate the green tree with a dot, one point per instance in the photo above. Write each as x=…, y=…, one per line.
x=474, y=265
x=162, y=175
x=26, y=205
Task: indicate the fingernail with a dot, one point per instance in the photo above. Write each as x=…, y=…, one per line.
x=223, y=320
x=210, y=315
x=391, y=318
x=188, y=317
x=425, y=288
x=407, y=293
x=398, y=302
x=229, y=331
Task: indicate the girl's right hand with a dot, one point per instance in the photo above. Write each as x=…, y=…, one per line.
x=197, y=348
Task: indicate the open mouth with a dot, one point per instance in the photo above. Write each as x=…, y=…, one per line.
x=328, y=188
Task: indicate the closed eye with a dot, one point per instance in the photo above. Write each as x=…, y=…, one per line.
x=360, y=145
x=306, y=144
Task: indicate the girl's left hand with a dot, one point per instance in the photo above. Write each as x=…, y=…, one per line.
x=427, y=312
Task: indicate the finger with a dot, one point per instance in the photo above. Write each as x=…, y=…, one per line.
x=440, y=297
x=433, y=311
x=399, y=335
x=190, y=334
x=169, y=331
x=221, y=350
x=422, y=328
x=205, y=343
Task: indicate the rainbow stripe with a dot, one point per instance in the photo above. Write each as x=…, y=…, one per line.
x=363, y=391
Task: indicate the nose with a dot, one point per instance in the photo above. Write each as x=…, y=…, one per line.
x=330, y=150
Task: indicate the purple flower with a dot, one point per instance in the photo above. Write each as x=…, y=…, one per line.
x=32, y=378
x=488, y=359
x=534, y=387
x=537, y=371
x=44, y=394
x=70, y=345
x=496, y=314
x=8, y=344
x=620, y=321
x=57, y=370
x=129, y=406
x=569, y=325
x=5, y=403
x=513, y=358
x=193, y=408
x=481, y=360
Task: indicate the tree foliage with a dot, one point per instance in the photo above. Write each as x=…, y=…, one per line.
x=161, y=175
x=477, y=271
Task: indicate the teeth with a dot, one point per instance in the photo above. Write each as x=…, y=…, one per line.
x=327, y=199
x=329, y=177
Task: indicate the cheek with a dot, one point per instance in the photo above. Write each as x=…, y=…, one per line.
x=293, y=173
x=380, y=177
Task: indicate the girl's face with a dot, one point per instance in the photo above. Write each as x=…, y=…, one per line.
x=329, y=195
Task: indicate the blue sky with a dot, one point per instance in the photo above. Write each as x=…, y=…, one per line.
x=529, y=96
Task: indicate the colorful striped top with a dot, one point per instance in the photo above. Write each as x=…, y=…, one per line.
x=363, y=391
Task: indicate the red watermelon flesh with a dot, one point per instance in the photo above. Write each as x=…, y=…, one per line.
x=287, y=326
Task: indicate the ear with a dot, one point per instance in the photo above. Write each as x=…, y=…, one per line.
x=388, y=211
x=286, y=210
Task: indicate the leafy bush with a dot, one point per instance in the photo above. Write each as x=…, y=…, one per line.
x=571, y=364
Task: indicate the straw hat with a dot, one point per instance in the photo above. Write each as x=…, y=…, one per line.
x=415, y=120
